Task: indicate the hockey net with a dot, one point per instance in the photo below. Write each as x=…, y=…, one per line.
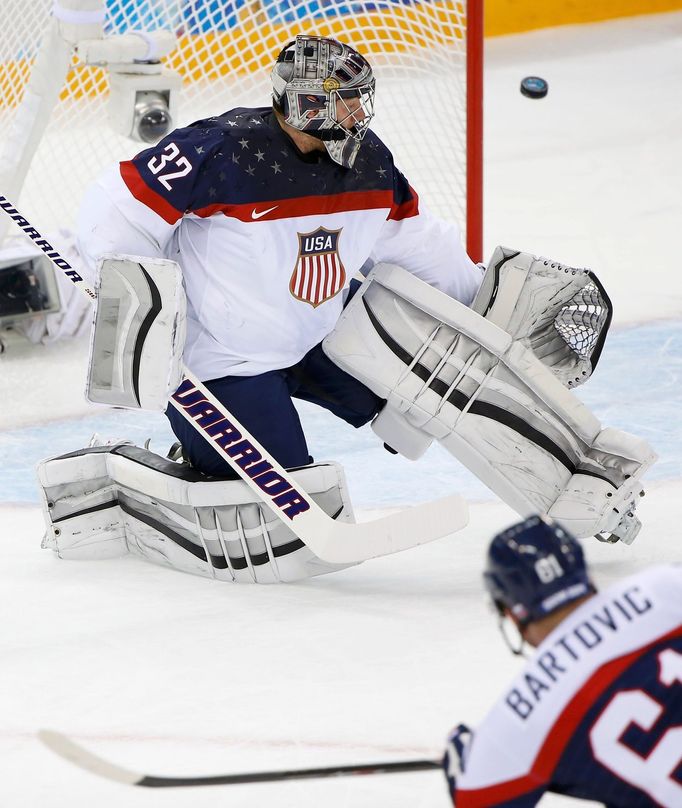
x=426, y=56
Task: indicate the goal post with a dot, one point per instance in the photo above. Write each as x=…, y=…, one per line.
x=427, y=56
x=474, y=129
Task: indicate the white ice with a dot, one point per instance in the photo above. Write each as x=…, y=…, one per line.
x=170, y=674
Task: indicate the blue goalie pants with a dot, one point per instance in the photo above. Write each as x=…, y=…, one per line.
x=263, y=405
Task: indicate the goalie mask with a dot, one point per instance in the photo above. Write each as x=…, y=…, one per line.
x=326, y=89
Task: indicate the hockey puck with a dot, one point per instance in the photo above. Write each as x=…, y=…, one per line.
x=534, y=87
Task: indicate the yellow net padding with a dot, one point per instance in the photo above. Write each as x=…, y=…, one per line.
x=213, y=55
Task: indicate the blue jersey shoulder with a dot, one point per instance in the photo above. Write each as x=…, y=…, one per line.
x=242, y=157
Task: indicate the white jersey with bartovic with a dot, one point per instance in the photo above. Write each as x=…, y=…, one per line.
x=596, y=713
x=267, y=238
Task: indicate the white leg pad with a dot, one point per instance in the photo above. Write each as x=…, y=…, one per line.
x=107, y=501
x=489, y=398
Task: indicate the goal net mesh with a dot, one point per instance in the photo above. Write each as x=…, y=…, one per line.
x=224, y=54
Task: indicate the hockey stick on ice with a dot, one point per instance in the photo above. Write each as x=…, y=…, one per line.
x=332, y=541
x=84, y=759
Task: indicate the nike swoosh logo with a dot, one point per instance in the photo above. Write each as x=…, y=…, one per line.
x=262, y=213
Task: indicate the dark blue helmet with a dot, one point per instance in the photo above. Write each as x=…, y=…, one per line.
x=534, y=568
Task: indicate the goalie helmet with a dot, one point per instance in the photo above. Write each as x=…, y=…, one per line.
x=534, y=568
x=325, y=89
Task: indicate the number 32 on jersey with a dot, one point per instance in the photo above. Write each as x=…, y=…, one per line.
x=170, y=154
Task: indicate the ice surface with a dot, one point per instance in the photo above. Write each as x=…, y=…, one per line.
x=637, y=386
x=168, y=673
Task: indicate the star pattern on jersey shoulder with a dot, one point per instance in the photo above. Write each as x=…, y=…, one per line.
x=272, y=165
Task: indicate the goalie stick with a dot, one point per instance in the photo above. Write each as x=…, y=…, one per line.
x=334, y=542
x=75, y=753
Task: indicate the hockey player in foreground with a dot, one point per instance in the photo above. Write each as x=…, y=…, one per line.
x=596, y=712
x=269, y=213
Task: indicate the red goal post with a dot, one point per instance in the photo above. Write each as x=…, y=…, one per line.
x=427, y=56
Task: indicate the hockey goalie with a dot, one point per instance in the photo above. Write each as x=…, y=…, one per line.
x=491, y=382
x=230, y=246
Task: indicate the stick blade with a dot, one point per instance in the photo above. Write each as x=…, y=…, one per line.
x=84, y=759
x=410, y=527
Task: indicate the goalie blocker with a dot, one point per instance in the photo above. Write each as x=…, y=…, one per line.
x=490, y=384
x=138, y=334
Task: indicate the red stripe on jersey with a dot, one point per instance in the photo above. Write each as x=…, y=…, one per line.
x=330, y=277
x=406, y=209
x=307, y=206
x=143, y=193
x=319, y=278
x=559, y=735
x=296, y=284
x=276, y=208
x=309, y=264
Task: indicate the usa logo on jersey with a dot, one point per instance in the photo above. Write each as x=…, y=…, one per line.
x=319, y=273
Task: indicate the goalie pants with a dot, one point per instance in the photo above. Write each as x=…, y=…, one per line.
x=263, y=404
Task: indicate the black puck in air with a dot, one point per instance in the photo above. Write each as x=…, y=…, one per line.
x=534, y=87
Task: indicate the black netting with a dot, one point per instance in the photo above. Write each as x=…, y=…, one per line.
x=581, y=320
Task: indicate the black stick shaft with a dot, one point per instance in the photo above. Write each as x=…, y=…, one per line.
x=151, y=781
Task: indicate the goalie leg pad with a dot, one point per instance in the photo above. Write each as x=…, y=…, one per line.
x=107, y=501
x=139, y=333
x=490, y=400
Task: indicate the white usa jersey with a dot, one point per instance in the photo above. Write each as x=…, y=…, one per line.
x=596, y=713
x=267, y=238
